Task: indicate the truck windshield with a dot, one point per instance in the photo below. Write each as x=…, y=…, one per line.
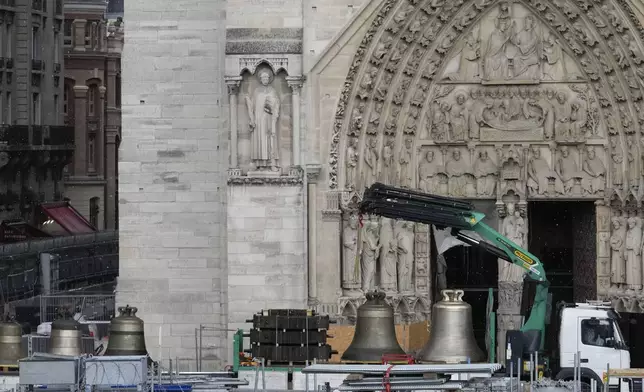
x=618, y=332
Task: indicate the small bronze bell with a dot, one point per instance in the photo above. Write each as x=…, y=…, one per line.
x=375, y=332
x=65, y=337
x=10, y=343
x=126, y=334
x=451, y=339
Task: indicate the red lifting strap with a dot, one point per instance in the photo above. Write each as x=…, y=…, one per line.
x=385, y=379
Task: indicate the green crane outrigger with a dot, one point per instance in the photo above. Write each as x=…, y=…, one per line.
x=444, y=212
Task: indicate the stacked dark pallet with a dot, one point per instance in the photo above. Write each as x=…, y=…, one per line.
x=291, y=336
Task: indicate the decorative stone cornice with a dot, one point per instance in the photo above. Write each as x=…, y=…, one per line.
x=295, y=176
x=628, y=303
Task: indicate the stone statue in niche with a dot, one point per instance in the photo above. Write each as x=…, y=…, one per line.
x=567, y=171
x=388, y=256
x=387, y=169
x=352, y=163
x=371, y=157
x=634, y=254
x=403, y=164
x=617, y=259
x=459, y=184
x=264, y=110
x=458, y=118
x=633, y=160
x=595, y=172
x=370, y=253
x=539, y=173
x=486, y=172
x=427, y=173
x=405, y=239
x=350, y=271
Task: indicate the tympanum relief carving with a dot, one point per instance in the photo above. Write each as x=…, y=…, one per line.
x=550, y=90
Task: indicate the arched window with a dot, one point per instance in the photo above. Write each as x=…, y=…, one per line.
x=92, y=96
x=66, y=94
x=94, y=210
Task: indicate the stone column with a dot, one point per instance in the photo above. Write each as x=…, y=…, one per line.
x=296, y=84
x=80, y=130
x=100, y=134
x=312, y=174
x=510, y=279
x=603, y=247
x=233, y=91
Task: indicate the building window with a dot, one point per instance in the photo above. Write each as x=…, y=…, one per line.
x=91, y=152
x=66, y=99
x=9, y=41
x=56, y=48
x=88, y=34
x=91, y=101
x=35, y=107
x=56, y=108
x=35, y=43
x=94, y=210
x=596, y=332
x=8, y=109
x=117, y=92
x=67, y=33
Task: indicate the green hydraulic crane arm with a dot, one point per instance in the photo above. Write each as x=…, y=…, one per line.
x=443, y=212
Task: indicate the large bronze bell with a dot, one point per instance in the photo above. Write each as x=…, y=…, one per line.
x=65, y=337
x=10, y=343
x=126, y=334
x=375, y=333
x=451, y=339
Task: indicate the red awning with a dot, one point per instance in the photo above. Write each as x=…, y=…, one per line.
x=68, y=218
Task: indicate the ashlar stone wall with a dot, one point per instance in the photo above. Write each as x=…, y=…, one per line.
x=172, y=176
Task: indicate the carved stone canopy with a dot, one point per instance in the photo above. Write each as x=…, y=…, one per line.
x=473, y=76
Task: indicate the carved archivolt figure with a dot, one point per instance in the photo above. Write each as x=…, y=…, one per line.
x=595, y=172
x=370, y=253
x=352, y=163
x=387, y=169
x=405, y=239
x=371, y=162
x=404, y=161
x=617, y=259
x=634, y=253
x=388, y=255
x=264, y=110
x=486, y=172
x=350, y=270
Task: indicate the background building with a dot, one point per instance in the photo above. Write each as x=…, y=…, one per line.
x=35, y=145
x=431, y=95
x=91, y=103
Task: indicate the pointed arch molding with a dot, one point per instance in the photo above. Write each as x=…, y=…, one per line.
x=398, y=73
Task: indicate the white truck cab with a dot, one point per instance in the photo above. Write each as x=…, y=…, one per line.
x=592, y=330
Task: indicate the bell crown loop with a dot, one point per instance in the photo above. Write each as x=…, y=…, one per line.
x=452, y=295
x=127, y=310
x=375, y=295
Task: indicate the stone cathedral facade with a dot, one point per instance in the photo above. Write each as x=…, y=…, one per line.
x=245, y=149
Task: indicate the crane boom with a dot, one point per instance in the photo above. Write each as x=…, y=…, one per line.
x=460, y=216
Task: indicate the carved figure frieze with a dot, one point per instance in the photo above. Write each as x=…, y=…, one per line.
x=431, y=174
x=486, y=172
x=461, y=180
x=541, y=178
x=594, y=170
x=568, y=173
x=404, y=232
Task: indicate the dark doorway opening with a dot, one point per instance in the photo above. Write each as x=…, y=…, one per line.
x=563, y=236
x=474, y=271
x=631, y=325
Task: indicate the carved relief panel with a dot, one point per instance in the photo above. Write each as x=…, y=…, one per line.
x=264, y=118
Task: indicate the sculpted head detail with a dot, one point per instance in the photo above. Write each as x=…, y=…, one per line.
x=591, y=153
x=430, y=156
x=460, y=99
x=457, y=155
x=564, y=151
x=264, y=77
x=616, y=223
x=536, y=152
x=353, y=221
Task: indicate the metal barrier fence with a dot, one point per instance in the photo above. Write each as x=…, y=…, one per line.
x=95, y=307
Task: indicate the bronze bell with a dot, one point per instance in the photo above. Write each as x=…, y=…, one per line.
x=451, y=339
x=375, y=332
x=126, y=334
x=65, y=337
x=10, y=343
